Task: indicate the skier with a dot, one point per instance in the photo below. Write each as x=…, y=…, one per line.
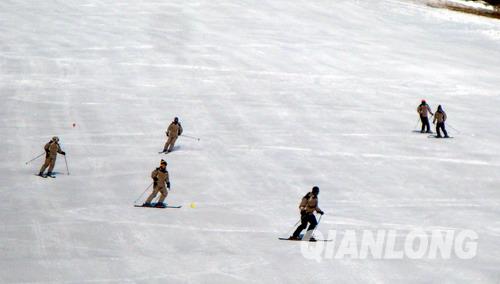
x=174, y=130
x=423, y=109
x=307, y=206
x=160, y=178
x=51, y=150
x=440, y=117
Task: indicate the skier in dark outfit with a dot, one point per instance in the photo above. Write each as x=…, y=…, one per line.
x=423, y=109
x=440, y=118
x=308, y=205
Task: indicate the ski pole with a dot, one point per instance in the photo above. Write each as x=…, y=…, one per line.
x=416, y=125
x=317, y=225
x=191, y=137
x=66, y=161
x=458, y=131
x=289, y=231
x=34, y=158
x=143, y=192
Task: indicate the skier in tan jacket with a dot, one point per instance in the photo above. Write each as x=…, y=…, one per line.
x=160, y=179
x=174, y=130
x=51, y=150
x=440, y=118
x=423, y=110
x=308, y=205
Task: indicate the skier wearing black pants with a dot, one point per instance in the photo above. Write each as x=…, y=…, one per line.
x=308, y=205
x=423, y=110
x=440, y=117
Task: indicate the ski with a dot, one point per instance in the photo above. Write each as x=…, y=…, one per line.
x=425, y=132
x=168, y=206
x=45, y=176
x=286, y=239
x=437, y=137
x=163, y=152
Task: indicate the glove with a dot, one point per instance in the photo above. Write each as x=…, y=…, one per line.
x=321, y=212
x=63, y=153
x=155, y=179
x=168, y=185
x=155, y=184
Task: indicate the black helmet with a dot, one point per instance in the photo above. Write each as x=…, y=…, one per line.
x=176, y=119
x=315, y=190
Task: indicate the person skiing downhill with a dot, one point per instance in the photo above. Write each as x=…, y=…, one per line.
x=424, y=109
x=440, y=117
x=308, y=205
x=160, y=178
x=174, y=130
x=51, y=150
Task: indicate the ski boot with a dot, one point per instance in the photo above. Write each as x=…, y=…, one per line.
x=146, y=204
x=293, y=238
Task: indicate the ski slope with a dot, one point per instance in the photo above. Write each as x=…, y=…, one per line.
x=284, y=95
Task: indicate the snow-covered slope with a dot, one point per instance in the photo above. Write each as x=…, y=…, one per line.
x=284, y=95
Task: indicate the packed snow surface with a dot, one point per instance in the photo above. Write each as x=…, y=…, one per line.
x=283, y=95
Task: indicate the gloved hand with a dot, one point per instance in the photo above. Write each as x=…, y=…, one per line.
x=168, y=185
x=63, y=153
x=321, y=212
x=302, y=212
x=155, y=184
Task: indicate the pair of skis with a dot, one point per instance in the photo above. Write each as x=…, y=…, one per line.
x=313, y=240
x=45, y=176
x=439, y=137
x=153, y=205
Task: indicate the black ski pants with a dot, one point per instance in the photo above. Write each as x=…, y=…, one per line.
x=304, y=219
x=425, y=124
x=440, y=125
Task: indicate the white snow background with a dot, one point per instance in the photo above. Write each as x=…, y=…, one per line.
x=284, y=95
